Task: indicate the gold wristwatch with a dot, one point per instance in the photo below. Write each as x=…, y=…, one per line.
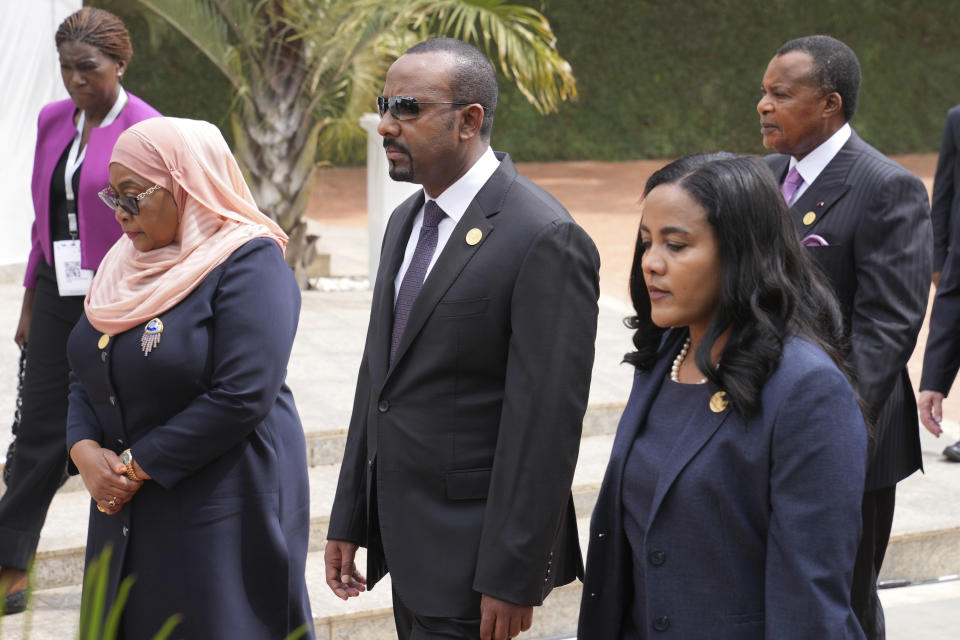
x=127, y=459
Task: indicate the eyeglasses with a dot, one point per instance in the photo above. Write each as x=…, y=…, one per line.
x=130, y=204
x=405, y=107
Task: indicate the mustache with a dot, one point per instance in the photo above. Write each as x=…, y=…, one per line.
x=393, y=144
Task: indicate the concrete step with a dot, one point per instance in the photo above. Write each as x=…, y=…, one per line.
x=54, y=612
x=325, y=446
x=63, y=538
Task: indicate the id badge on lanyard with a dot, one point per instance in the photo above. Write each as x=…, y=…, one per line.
x=72, y=280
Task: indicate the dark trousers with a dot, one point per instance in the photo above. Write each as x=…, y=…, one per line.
x=40, y=457
x=877, y=513
x=413, y=627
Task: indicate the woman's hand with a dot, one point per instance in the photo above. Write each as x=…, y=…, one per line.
x=23, y=326
x=104, y=476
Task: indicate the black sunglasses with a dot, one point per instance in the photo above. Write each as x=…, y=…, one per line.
x=130, y=204
x=405, y=107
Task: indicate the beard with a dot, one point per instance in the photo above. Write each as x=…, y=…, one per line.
x=400, y=172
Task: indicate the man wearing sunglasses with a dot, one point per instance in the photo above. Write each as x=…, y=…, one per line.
x=474, y=380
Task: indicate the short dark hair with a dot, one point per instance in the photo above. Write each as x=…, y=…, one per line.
x=97, y=28
x=474, y=79
x=770, y=288
x=835, y=68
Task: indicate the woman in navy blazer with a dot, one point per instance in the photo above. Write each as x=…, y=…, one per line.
x=94, y=50
x=730, y=508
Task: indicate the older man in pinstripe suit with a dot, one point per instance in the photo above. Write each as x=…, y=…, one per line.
x=866, y=221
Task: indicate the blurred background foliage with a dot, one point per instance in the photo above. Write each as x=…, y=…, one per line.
x=656, y=78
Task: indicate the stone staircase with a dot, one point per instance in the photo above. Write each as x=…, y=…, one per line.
x=58, y=569
x=925, y=545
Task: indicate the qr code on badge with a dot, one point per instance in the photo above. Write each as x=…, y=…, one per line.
x=71, y=270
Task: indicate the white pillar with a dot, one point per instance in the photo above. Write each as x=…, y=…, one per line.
x=383, y=193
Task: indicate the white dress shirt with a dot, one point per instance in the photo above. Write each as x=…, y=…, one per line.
x=817, y=160
x=454, y=202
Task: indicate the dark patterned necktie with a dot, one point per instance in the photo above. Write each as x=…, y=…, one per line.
x=413, y=278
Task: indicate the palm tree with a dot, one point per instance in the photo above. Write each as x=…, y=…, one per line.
x=304, y=70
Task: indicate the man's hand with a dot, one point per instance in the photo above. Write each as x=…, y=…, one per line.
x=342, y=575
x=930, y=405
x=501, y=620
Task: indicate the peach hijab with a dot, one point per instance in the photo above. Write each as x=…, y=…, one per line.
x=191, y=160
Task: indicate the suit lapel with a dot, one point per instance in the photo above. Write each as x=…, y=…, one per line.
x=829, y=187
x=695, y=434
x=457, y=252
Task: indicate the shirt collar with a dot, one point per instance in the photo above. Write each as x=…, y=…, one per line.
x=817, y=160
x=457, y=197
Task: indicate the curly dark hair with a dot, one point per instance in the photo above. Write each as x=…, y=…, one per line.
x=835, y=68
x=97, y=28
x=770, y=287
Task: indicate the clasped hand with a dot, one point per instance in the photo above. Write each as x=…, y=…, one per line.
x=104, y=475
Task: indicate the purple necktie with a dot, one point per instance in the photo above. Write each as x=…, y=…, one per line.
x=416, y=272
x=790, y=184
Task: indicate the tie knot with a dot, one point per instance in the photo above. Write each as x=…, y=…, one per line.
x=790, y=184
x=432, y=214
x=793, y=178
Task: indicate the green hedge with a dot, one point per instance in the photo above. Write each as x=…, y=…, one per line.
x=661, y=78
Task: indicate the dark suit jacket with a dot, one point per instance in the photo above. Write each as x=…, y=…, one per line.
x=942, y=356
x=946, y=191
x=460, y=455
x=875, y=215
x=754, y=524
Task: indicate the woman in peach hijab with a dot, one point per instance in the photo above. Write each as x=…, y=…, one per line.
x=180, y=422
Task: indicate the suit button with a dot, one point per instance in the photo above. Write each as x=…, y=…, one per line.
x=661, y=624
x=126, y=530
x=120, y=443
x=370, y=463
x=113, y=400
x=103, y=356
x=383, y=407
x=657, y=558
x=601, y=535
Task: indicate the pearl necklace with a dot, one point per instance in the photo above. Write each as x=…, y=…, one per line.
x=675, y=369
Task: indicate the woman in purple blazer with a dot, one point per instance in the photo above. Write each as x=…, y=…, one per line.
x=71, y=233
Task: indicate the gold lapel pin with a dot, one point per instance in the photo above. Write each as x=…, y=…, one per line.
x=474, y=236
x=719, y=402
x=103, y=341
x=809, y=217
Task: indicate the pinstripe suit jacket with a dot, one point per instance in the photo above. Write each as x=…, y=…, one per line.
x=946, y=190
x=942, y=356
x=875, y=217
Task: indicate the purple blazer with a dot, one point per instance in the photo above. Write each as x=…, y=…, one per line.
x=98, y=228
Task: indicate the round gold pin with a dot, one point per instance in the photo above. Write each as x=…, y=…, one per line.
x=718, y=402
x=809, y=217
x=103, y=341
x=474, y=236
